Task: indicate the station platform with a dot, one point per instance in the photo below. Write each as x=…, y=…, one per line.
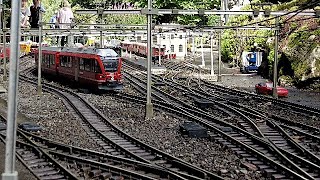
x=142, y=63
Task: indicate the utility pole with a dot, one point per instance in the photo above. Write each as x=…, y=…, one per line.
x=101, y=22
x=211, y=52
x=160, y=47
x=193, y=47
x=4, y=42
x=170, y=57
x=39, y=89
x=275, y=65
x=185, y=46
x=4, y=55
x=203, y=64
x=149, y=106
x=10, y=173
x=219, y=55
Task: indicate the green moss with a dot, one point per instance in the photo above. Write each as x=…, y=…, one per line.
x=317, y=64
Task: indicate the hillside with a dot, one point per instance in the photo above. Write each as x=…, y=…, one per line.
x=299, y=44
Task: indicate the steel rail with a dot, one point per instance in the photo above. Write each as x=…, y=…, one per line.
x=170, y=159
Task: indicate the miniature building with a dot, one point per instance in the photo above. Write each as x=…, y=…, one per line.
x=174, y=42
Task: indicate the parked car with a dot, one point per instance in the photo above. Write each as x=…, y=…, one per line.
x=266, y=88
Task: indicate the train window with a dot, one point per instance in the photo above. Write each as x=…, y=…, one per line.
x=87, y=64
x=62, y=61
x=48, y=60
x=110, y=65
x=45, y=60
x=172, y=48
x=81, y=64
x=97, y=68
x=65, y=61
x=53, y=59
x=180, y=48
x=69, y=62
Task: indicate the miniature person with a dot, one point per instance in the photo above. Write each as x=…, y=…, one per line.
x=34, y=13
x=25, y=13
x=53, y=20
x=64, y=16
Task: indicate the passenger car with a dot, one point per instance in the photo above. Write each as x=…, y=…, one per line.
x=98, y=69
x=266, y=88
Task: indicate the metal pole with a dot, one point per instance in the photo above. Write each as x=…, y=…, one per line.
x=39, y=89
x=1, y=30
x=211, y=50
x=101, y=40
x=219, y=55
x=275, y=65
x=2, y=16
x=160, y=49
x=4, y=56
x=149, y=107
x=185, y=47
x=10, y=173
x=170, y=48
x=4, y=43
x=193, y=47
x=202, y=53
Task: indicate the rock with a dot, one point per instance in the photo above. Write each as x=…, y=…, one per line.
x=243, y=171
x=223, y=171
x=249, y=166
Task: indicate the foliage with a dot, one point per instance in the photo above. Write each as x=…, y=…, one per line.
x=51, y=7
x=125, y=19
x=182, y=4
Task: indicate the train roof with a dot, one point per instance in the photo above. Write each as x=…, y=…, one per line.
x=50, y=48
x=140, y=44
x=95, y=51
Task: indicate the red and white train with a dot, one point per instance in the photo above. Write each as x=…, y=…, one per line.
x=96, y=68
x=7, y=52
x=140, y=49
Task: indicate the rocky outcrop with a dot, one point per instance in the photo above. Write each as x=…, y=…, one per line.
x=300, y=47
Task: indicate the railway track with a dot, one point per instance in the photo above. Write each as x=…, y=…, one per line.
x=305, y=167
x=224, y=91
x=116, y=142
x=81, y=162
x=236, y=141
x=39, y=162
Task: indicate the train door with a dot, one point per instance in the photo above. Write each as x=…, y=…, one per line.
x=76, y=68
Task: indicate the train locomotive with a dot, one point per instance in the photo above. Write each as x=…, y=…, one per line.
x=98, y=69
x=251, y=61
x=7, y=50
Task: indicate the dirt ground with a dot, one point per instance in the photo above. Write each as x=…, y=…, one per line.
x=243, y=82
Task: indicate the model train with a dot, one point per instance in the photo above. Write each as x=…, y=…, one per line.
x=2, y=52
x=140, y=49
x=98, y=69
x=251, y=61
